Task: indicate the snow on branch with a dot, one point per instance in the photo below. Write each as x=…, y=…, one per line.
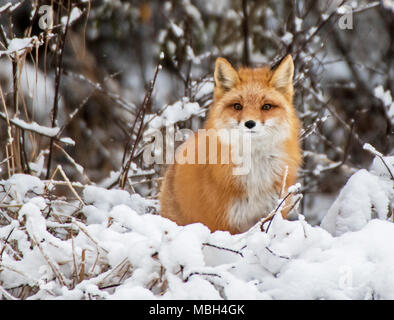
x=39, y=129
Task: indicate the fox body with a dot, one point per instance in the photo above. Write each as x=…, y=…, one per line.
x=254, y=101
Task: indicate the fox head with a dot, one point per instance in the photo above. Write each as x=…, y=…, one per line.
x=258, y=100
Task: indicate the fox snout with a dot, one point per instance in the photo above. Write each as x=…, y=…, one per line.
x=250, y=124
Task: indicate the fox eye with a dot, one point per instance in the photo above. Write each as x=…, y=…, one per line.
x=267, y=106
x=237, y=106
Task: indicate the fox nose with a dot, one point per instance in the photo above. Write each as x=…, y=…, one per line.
x=250, y=124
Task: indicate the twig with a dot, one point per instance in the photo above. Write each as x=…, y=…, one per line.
x=26, y=276
x=222, y=248
x=245, y=33
x=63, y=183
x=74, y=113
x=77, y=166
x=82, y=269
x=201, y=274
x=373, y=151
x=347, y=146
x=4, y=160
x=115, y=270
x=73, y=254
x=52, y=264
x=59, y=70
x=276, y=255
x=317, y=30
x=140, y=114
x=272, y=215
x=129, y=107
x=59, y=168
x=5, y=243
x=6, y=206
x=9, y=154
x=6, y=294
x=33, y=127
x=83, y=229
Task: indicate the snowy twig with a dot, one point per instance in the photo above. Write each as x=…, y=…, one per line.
x=63, y=183
x=222, y=248
x=245, y=34
x=77, y=166
x=52, y=264
x=9, y=149
x=115, y=272
x=59, y=168
x=120, y=101
x=276, y=255
x=13, y=269
x=35, y=128
x=5, y=243
x=366, y=7
x=201, y=274
x=58, y=74
x=85, y=231
x=373, y=151
x=9, y=7
x=292, y=190
x=139, y=116
x=6, y=294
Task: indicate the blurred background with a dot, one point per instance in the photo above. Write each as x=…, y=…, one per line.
x=80, y=82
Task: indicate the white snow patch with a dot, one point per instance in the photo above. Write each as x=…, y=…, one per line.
x=131, y=254
x=366, y=195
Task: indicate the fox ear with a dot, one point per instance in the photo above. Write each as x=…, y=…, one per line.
x=226, y=77
x=282, y=78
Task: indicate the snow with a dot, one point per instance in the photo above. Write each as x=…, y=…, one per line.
x=287, y=38
x=295, y=188
x=179, y=111
x=42, y=130
x=5, y=7
x=38, y=90
x=130, y=253
x=33, y=126
x=20, y=45
x=178, y=31
x=68, y=141
x=387, y=100
x=298, y=23
x=74, y=15
x=364, y=197
x=388, y=4
x=371, y=149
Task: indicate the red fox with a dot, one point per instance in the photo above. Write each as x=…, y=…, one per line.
x=259, y=101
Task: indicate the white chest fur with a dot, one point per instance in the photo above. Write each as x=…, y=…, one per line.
x=267, y=167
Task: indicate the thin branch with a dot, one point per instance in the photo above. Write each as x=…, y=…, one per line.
x=59, y=70
x=140, y=114
x=6, y=294
x=276, y=255
x=222, y=248
x=201, y=274
x=245, y=34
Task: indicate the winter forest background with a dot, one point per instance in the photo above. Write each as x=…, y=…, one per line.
x=82, y=81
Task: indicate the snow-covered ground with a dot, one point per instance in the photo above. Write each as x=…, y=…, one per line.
x=110, y=244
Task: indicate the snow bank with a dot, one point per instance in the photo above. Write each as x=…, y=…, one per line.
x=113, y=247
x=365, y=196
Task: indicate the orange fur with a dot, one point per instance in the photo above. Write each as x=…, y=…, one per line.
x=206, y=192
